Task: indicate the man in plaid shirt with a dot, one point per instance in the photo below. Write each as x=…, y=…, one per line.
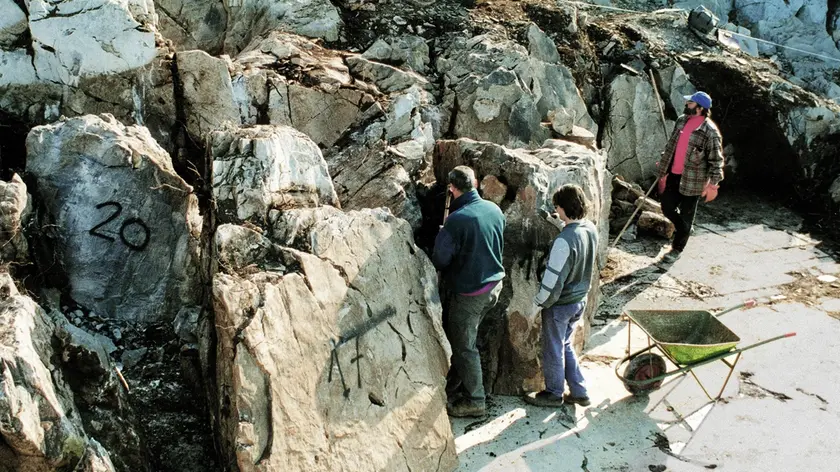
x=691, y=167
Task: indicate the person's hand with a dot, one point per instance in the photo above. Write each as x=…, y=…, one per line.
x=710, y=192
x=661, y=185
x=552, y=218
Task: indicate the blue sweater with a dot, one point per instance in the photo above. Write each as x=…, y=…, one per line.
x=468, y=249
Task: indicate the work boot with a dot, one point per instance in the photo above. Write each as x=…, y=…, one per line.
x=570, y=400
x=671, y=256
x=544, y=398
x=465, y=408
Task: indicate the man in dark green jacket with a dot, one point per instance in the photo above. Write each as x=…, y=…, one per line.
x=468, y=252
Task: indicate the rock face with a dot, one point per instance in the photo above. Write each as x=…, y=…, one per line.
x=502, y=93
x=207, y=93
x=264, y=168
x=316, y=94
x=330, y=350
x=634, y=136
x=375, y=175
x=511, y=335
x=73, y=39
x=228, y=27
x=110, y=195
x=40, y=427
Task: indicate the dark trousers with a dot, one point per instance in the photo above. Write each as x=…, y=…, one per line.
x=461, y=326
x=680, y=209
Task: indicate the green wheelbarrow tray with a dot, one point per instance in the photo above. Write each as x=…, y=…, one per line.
x=687, y=336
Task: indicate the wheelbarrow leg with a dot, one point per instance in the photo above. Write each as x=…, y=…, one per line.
x=701, y=384
x=629, y=325
x=731, y=370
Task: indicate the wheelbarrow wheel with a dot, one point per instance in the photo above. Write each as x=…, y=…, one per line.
x=643, y=367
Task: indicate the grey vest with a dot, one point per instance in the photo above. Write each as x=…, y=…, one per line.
x=574, y=279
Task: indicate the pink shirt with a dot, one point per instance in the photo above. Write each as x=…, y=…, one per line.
x=692, y=124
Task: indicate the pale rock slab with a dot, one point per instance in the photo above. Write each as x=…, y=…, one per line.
x=125, y=226
x=40, y=427
x=634, y=136
x=336, y=363
x=265, y=167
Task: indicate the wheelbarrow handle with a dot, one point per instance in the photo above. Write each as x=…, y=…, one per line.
x=761, y=343
x=746, y=304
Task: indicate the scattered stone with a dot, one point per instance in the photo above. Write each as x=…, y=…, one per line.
x=656, y=223
x=827, y=279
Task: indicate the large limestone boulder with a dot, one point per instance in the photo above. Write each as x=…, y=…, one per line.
x=505, y=91
x=121, y=227
x=262, y=168
x=330, y=352
x=15, y=210
x=634, y=137
x=749, y=12
x=229, y=26
x=511, y=334
x=40, y=428
x=409, y=51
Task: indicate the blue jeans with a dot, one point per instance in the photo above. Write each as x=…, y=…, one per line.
x=560, y=363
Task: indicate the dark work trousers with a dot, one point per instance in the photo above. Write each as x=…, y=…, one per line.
x=680, y=209
x=461, y=326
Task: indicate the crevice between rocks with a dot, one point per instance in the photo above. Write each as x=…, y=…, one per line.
x=831, y=16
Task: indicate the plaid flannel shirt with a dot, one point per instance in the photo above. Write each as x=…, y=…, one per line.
x=703, y=159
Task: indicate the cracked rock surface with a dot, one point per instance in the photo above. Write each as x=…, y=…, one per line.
x=334, y=360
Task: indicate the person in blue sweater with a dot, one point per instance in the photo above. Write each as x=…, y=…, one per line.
x=468, y=253
x=562, y=297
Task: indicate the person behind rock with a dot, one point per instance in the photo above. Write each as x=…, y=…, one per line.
x=562, y=297
x=468, y=252
x=691, y=167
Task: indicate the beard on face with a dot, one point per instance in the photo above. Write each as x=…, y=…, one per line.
x=691, y=111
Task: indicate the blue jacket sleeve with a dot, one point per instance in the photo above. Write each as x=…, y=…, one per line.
x=445, y=250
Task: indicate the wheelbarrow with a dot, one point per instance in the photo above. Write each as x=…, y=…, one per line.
x=687, y=338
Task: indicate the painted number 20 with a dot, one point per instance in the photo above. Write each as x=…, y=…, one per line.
x=127, y=224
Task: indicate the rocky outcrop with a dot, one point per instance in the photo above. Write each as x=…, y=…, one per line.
x=229, y=26
x=109, y=194
x=40, y=427
x=634, y=136
x=791, y=144
x=502, y=93
x=263, y=168
x=511, y=335
x=330, y=352
x=287, y=80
